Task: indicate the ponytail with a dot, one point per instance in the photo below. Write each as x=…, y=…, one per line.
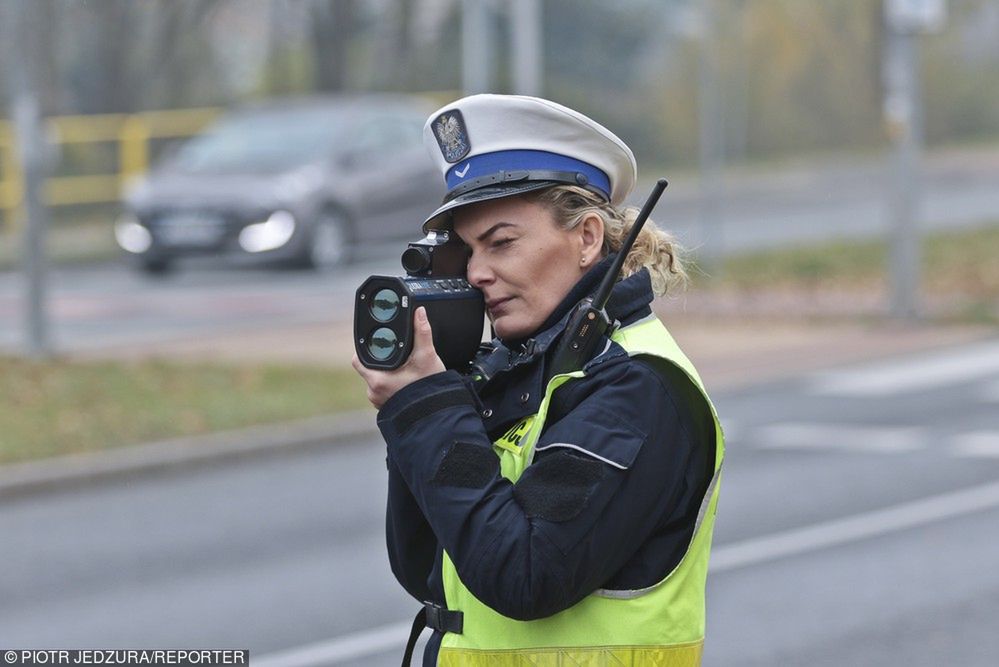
x=654, y=249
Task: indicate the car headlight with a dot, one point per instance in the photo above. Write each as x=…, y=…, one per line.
x=130, y=235
x=272, y=233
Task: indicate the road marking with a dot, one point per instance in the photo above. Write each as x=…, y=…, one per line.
x=871, y=439
x=803, y=435
x=724, y=558
x=884, y=379
x=984, y=444
x=854, y=528
x=340, y=649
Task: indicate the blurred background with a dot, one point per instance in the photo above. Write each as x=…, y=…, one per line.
x=191, y=191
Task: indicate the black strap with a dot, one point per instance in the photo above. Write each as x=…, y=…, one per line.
x=519, y=176
x=436, y=617
x=449, y=398
x=419, y=623
x=442, y=619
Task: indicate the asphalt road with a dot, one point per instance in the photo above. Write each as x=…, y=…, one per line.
x=857, y=526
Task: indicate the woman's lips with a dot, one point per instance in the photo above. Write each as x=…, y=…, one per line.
x=495, y=306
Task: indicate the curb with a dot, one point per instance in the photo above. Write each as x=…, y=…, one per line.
x=62, y=472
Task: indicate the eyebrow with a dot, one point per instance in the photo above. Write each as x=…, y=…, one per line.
x=499, y=225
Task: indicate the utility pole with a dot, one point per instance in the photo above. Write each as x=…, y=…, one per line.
x=710, y=122
x=477, y=46
x=527, y=52
x=28, y=123
x=32, y=152
x=904, y=20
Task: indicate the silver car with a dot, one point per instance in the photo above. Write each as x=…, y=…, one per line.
x=301, y=181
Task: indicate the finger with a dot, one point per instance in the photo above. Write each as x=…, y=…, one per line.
x=424, y=358
x=424, y=334
x=361, y=369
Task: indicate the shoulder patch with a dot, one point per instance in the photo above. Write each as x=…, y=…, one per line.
x=452, y=136
x=467, y=466
x=557, y=488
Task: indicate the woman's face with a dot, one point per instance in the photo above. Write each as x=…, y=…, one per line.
x=523, y=263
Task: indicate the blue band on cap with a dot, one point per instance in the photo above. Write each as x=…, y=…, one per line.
x=522, y=160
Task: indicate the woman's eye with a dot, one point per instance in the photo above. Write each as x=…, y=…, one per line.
x=500, y=243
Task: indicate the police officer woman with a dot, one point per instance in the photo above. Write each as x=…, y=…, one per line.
x=545, y=517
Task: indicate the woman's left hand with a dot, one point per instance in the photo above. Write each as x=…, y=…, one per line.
x=423, y=362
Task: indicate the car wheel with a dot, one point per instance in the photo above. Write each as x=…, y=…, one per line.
x=331, y=241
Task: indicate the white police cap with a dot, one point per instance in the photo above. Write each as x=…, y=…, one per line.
x=492, y=146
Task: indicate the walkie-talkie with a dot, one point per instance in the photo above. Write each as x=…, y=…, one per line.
x=589, y=321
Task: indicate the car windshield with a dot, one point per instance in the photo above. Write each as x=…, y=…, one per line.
x=262, y=142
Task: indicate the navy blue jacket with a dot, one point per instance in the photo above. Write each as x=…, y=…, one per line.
x=610, y=500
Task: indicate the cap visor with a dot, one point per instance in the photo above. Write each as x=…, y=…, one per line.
x=441, y=218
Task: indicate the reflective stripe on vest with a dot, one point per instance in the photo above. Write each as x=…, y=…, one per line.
x=659, y=625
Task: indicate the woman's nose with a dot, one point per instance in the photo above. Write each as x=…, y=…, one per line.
x=479, y=273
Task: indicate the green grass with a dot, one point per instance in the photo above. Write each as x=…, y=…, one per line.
x=49, y=408
x=964, y=265
x=842, y=264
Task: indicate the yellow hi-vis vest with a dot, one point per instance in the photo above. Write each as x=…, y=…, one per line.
x=659, y=625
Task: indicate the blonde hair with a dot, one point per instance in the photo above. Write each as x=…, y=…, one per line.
x=654, y=248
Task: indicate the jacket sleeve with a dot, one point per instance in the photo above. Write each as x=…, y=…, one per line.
x=411, y=543
x=604, y=476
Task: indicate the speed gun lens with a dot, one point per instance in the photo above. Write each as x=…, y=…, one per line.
x=385, y=305
x=382, y=343
x=416, y=260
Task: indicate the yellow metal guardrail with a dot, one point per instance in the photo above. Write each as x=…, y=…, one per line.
x=131, y=132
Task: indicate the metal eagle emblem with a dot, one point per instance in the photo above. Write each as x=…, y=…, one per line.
x=452, y=137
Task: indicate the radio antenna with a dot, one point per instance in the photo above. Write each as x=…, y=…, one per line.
x=603, y=292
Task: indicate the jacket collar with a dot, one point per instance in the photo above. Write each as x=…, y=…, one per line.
x=629, y=301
